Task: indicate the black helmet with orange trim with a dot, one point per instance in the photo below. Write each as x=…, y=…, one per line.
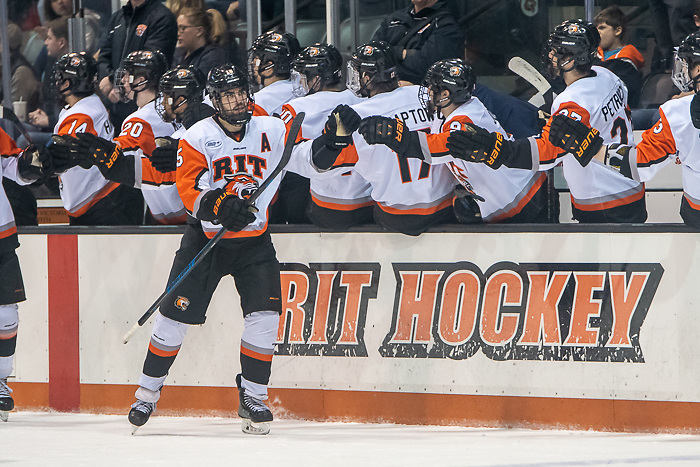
x=685, y=58
x=228, y=89
x=453, y=75
x=146, y=64
x=319, y=60
x=572, y=44
x=376, y=61
x=272, y=51
x=79, y=70
x=177, y=88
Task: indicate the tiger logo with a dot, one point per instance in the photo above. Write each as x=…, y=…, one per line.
x=368, y=50
x=182, y=303
x=455, y=71
x=241, y=184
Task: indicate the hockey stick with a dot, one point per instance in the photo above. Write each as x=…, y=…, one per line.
x=8, y=114
x=529, y=73
x=286, y=155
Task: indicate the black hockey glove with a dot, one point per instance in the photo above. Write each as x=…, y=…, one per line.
x=391, y=132
x=340, y=126
x=62, y=156
x=227, y=209
x=475, y=144
x=164, y=156
x=575, y=137
x=34, y=164
x=695, y=111
x=90, y=148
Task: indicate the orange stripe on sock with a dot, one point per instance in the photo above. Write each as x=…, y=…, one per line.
x=8, y=336
x=162, y=353
x=256, y=355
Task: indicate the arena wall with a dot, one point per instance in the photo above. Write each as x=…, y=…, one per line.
x=566, y=326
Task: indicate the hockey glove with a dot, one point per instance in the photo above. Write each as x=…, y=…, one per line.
x=575, y=137
x=475, y=144
x=164, y=156
x=221, y=207
x=62, y=156
x=340, y=126
x=695, y=111
x=90, y=148
x=391, y=132
x=34, y=164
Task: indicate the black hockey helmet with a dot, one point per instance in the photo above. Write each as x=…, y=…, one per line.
x=79, y=69
x=687, y=55
x=376, y=60
x=453, y=75
x=223, y=84
x=179, y=87
x=322, y=60
x=146, y=64
x=275, y=51
x=572, y=42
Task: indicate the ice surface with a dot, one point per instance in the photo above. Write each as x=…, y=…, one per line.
x=58, y=439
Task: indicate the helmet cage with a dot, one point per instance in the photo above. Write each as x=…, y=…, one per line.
x=684, y=58
x=223, y=80
x=319, y=60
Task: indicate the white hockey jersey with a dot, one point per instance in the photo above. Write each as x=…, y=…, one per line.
x=137, y=137
x=82, y=188
x=673, y=138
x=272, y=97
x=8, y=169
x=400, y=186
x=207, y=154
x=600, y=102
x=505, y=190
x=348, y=190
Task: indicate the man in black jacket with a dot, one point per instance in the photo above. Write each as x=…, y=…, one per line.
x=417, y=49
x=139, y=25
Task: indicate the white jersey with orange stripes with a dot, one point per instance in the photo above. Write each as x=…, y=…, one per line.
x=349, y=190
x=137, y=137
x=272, y=97
x=207, y=153
x=505, y=190
x=400, y=186
x=673, y=138
x=82, y=188
x=8, y=169
x=599, y=101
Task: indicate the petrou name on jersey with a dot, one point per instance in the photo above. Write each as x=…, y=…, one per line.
x=527, y=311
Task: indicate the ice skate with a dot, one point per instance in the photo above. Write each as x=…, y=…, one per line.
x=6, y=402
x=142, y=409
x=255, y=414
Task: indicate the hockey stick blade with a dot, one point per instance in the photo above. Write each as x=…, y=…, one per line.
x=529, y=73
x=286, y=155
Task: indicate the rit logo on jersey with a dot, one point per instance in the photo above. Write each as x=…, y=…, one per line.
x=252, y=164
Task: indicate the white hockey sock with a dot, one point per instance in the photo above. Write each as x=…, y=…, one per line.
x=259, y=336
x=167, y=336
x=9, y=322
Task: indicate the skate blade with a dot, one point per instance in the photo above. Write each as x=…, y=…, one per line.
x=250, y=428
x=134, y=428
x=4, y=416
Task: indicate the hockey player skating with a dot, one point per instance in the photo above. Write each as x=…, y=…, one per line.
x=222, y=161
x=316, y=76
x=673, y=138
x=127, y=159
x=24, y=167
x=410, y=195
x=502, y=195
x=594, y=96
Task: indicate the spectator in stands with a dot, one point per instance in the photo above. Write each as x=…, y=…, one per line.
x=421, y=34
x=23, y=82
x=177, y=6
x=622, y=59
x=54, y=9
x=56, y=45
x=201, y=36
x=138, y=25
x=673, y=20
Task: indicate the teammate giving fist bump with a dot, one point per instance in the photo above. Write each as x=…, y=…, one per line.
x=391, y=132
x=474, y=144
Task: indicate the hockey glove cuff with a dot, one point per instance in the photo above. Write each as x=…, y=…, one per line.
x=34, y=164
